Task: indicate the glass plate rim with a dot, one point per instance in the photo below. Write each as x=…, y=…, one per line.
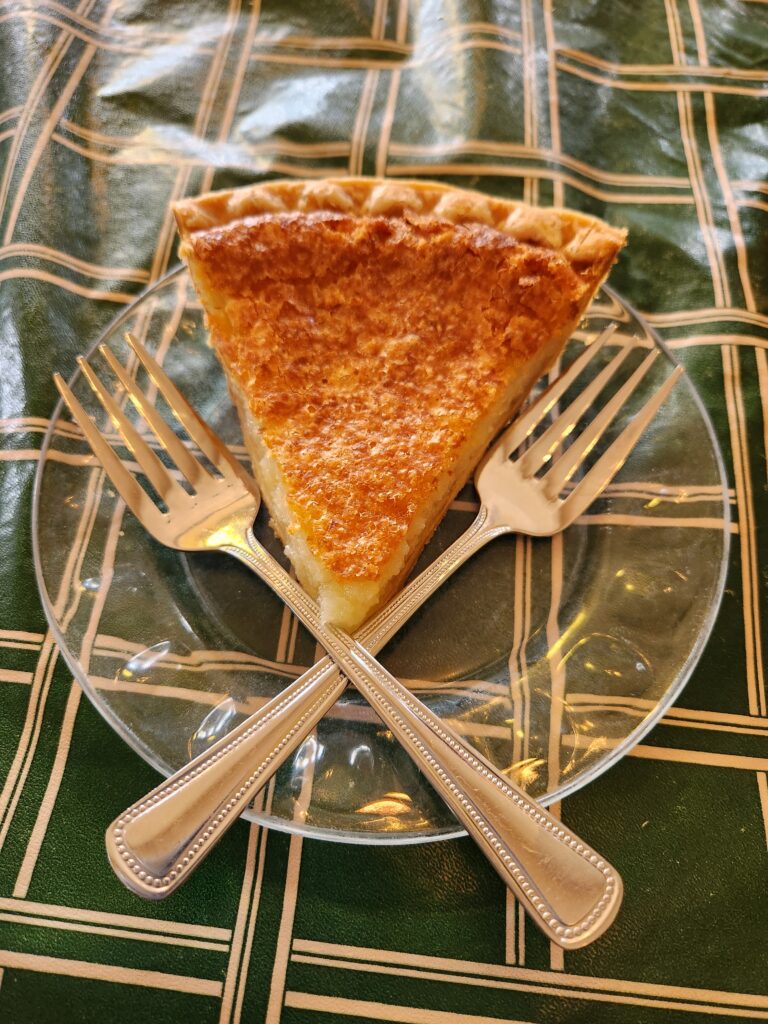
x=401, y=838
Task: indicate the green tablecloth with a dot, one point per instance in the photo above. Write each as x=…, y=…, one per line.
x=650, y=114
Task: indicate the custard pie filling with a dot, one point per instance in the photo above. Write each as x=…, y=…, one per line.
x=374, y=350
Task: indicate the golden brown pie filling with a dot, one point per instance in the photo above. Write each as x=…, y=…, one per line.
x=375, y=356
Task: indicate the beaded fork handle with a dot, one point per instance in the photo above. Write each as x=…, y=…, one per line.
x=571, y=893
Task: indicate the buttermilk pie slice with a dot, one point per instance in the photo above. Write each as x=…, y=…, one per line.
x=375, y=336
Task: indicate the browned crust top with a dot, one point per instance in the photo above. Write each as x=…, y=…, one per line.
x=579, y=238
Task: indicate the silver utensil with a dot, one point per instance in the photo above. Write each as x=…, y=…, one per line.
x=155, y=844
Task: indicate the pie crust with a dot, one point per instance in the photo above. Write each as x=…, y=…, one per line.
x=376, y=334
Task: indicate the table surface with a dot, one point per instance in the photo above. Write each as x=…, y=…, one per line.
x=651, y=115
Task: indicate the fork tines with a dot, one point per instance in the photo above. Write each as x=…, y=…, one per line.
x=155, y=471
x=559, y=468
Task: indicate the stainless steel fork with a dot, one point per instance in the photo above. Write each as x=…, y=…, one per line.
x=153, y=846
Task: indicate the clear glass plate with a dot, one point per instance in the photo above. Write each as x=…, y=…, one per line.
x=553, y=656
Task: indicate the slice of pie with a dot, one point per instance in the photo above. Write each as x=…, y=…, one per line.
x=375, y=336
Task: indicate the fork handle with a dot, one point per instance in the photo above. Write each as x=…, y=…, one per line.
x=570, y=892
x=158, y=842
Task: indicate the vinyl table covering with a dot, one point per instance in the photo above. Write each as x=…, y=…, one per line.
x=652, y=115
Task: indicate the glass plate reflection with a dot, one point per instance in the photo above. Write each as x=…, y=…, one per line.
x=553, y=657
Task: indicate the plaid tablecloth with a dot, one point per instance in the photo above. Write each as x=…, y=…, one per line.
x=650, y=114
